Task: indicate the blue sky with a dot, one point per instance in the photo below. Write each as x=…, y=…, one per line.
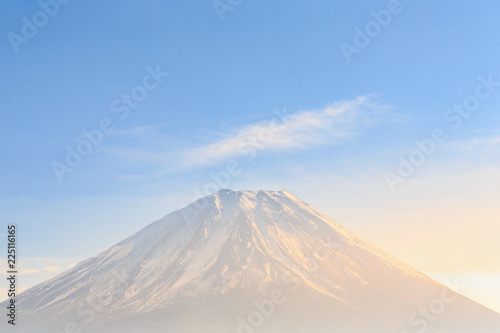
x=347, y=122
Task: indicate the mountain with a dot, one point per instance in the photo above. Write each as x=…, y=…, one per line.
x=247, y=261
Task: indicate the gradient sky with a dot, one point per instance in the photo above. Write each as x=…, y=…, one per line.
x=347, y=123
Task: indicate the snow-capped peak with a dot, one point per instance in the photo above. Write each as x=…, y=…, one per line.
x=204, y=267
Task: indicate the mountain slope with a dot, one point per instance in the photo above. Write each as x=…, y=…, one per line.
x=248, y=261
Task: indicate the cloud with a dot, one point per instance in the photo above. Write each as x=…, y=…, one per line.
x=151, y=131
x=30, y=271
x=36, y=270
x=484, y=143
x=52, y=269
x=46, y=266
x=331, y=125
x=132, y=132
x=150, y=148
x=142, y=145
x=480, y=149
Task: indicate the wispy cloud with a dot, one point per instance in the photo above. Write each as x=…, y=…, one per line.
x=142, y=145
x=302, y=129
x=45, y=264
x=342, y=120
x=151, y=131
x=37, y=270
x=474, y=145
x=31, y=271
x=484, y=143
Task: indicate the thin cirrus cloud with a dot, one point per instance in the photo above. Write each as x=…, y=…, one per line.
x=483, y=143
x=303, y=129
x=37, y=270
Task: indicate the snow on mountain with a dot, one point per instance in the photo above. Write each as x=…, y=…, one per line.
x=247, y=261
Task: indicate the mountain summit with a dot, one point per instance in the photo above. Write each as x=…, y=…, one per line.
x=243, y=262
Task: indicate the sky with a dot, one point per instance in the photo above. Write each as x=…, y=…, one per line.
x=381, y=114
